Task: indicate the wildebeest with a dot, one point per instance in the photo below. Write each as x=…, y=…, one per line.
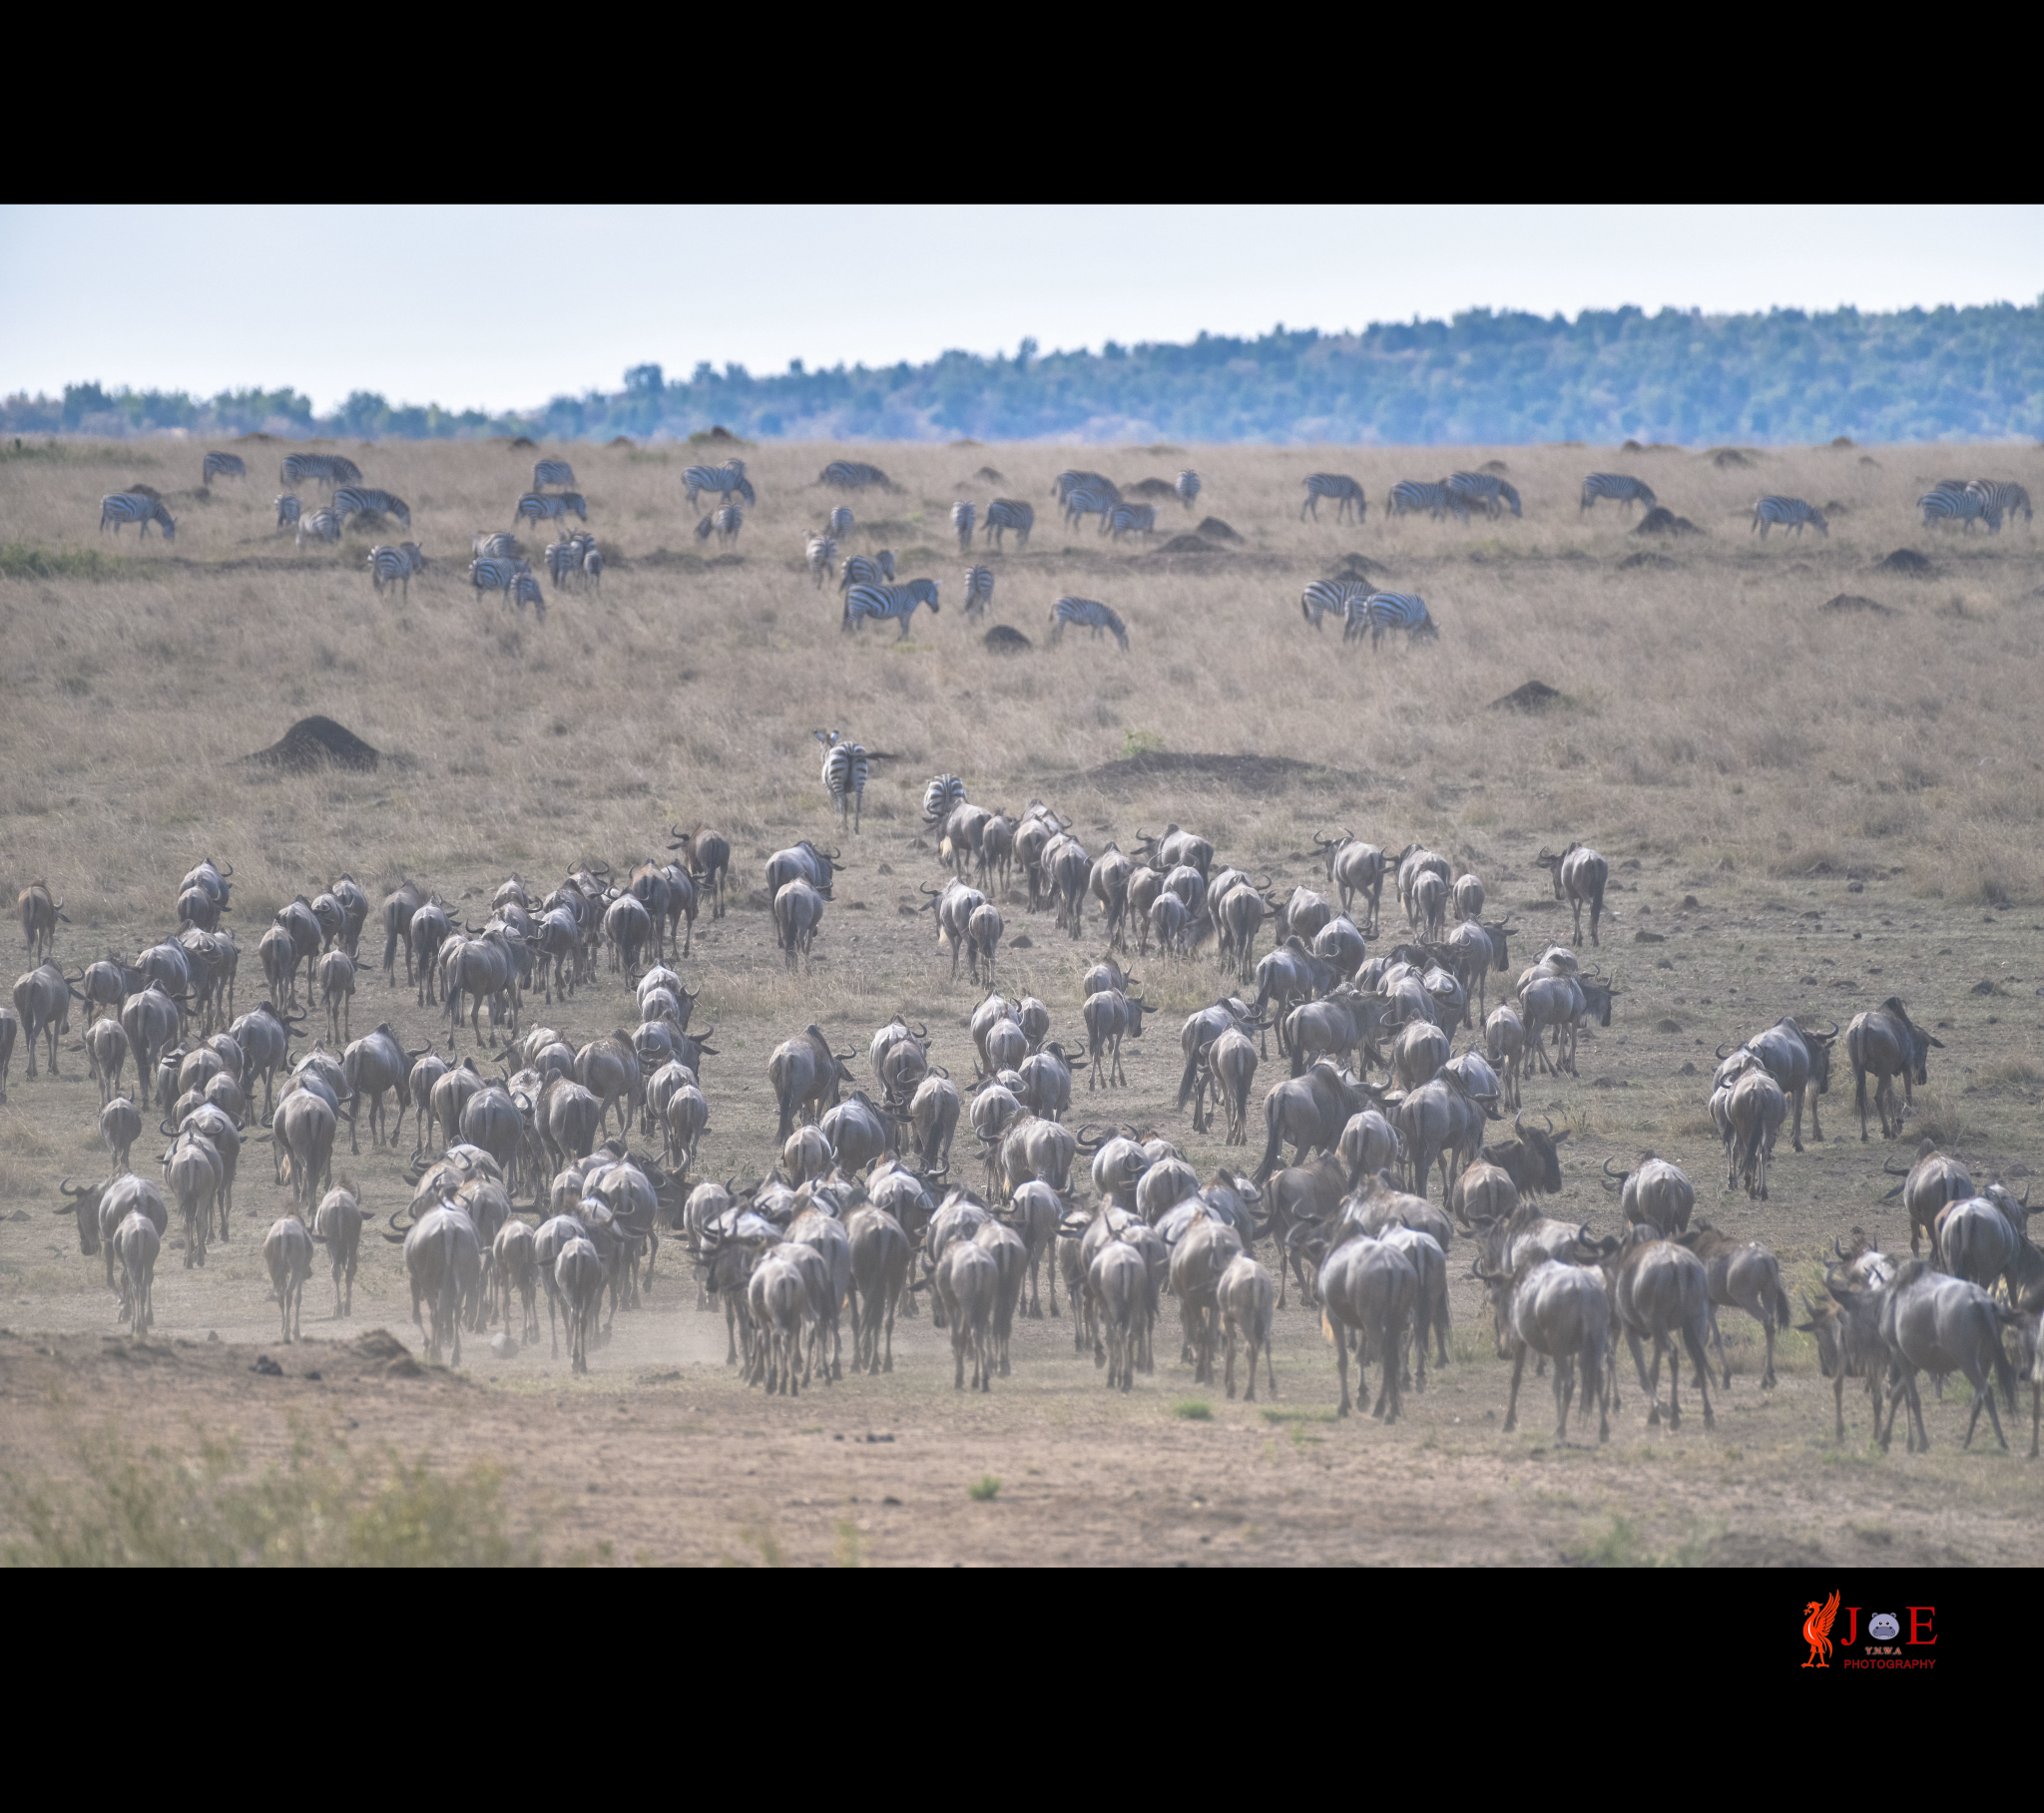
x=1889, y=1044
x=40, y=911
x=1943, y=1324
x=287, y=1251
x=1561, y=1311
x=43, y=999
x=1661, y=1291
x=1742, y=1275
x=134, y=1244
x=1248, y=1300
x=1801, y=1062
x=1656, y=1193
x=1307, y=1110
x=1758, y=1110
x=338, y=1226
x=1935, y=1179
x=1579, y=875
x=968, y=1280
x=1372, y=1290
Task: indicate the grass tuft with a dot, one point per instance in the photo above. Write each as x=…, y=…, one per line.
x=1194, y=1410
x=983, y=1489
x=18, y=559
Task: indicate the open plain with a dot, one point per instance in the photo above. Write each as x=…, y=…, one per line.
x=1815, y=777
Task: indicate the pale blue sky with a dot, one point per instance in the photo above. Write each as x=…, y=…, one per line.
x=505, y=308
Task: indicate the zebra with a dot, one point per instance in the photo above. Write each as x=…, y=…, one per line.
x=1337, y=485
x=1126, y=517
x=840, y=521
x=332, y=468
x=844, y=774
x=940, y=800
x=563, y=559
x=822, y=555
x=1187, y=487
x=1788, y=512
x=1484, y=487
x=286, y=511
x=1383, y=611
x=979, y=591
x=495, y=572
x=551, y=472
x=852, y=475
x=726, y=522
x=352, y=500
x=1953, y=501
x=493, y=540
x=320, y=526
x=1620, y=487
x=723, y=480
x=132, y=507
x=525, y=591
x=1337, y=596
x=964, y=517
x=1090, y=613
x=1412, y=494
x=543, y=506
x=897, y=602
x=592, y=567
x=1069, y=481
x=394, y=566
x=226, y=465
x=1006, y=513
x=2004, y=499
x=1083, y=501
x=861, y=570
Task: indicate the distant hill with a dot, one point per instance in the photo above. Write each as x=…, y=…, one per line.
x=1783, y=376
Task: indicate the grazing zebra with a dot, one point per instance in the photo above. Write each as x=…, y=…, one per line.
x=1187, y=487
x=226, y=465
x=551, y=472
x=1790, y=512
x=1083, y=501
x=963, y=519
x=1620, y=487
x=1486, y=488
x=897, y=602
x=2002, y=499
x=940, y=800
x=395, y=566
x=543, y=506
x=726, y=522
x=1338, y=485
x=844, y=774
x=1089, y=612
x=493, y=540
x=851, y=475
x=332, y=468
x=1006, y=513
x=979, y=591
x=723, y=480
x=525, y=591
x=1126, y=517
x=1953, y=501
x=1383, y=611
x=823, y=554
x=132, y=507
x=352, y=500
x=286, y=511
x=840, y=520
x=1337, y=596
x=1411, y=494
x=861, y=570
x=495, y=572
x=1069, y=481
x=320, y=526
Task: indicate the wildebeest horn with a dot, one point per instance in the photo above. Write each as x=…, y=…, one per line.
x=1724, y=1051
x=1838, y=1247
x=227, y=873
x=63, y=1188
x=1548, y=1118
x=1609, y=1173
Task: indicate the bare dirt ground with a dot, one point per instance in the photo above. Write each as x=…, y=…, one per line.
x=1806, y=810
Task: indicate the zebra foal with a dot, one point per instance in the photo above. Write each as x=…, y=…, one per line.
x=1087, y=612
x=1788, y=513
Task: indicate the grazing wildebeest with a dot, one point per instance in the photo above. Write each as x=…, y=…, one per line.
x=1888, y=1043
x=1561, y=1311
x=1742, y=1274
x=1579, y=875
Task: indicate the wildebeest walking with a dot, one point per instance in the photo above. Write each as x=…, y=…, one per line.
x=1889, y=1044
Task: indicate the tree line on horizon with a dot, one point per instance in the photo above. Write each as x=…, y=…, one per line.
x=1974, y=373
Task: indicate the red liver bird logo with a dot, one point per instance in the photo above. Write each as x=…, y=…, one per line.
x=1816, y=1630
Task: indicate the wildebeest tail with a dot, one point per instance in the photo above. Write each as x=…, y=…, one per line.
x=1273, y=1119
x=1784, y=1315
x=2004, y=1367
x=1185, y=1083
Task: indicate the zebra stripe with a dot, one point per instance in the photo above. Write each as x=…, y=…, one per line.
x=1090, y=613
x=355, y=499
x=132, y=507
x=1954, y=502
x=395, y=566
x=525, y=591
x=1788, y=512
x=562, y=557
x=1383, y=611
x=1411, y=494
x=1125, y=519
x=963, y=519
x=1620, y=487
x=493, y=540
x=551, y=472
x=495, y=572
x=859, y=570
x=844, y=771
x=1187, y=487
x=543, y=506
x=331, y=468
x=1083, y=501
x=889, y=602
x=852, y=475
x=1006, y=513
x=1338, y=485
x=320, y=526
x=226, y=465
x=2006, y=499
x=1486, y=488
x=592, y=567
x=979, y=591
x=1335, y=596
x=822, y=552
x=287, y=512
x=840, y=520
x=723, y=480
x=1069, y=481
x=942, y=798
x=726, y=522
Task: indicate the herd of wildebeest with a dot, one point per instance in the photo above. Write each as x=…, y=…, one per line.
x=528, y=1181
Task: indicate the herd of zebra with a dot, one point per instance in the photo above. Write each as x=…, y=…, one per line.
x=1970, y=501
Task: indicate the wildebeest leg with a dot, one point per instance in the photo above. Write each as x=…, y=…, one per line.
x=1694, y=1342
x=1512, y=1405
x=1717, y=1340
x=1269, y=1370
x=1632, y=1338
x=1342, y=1359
